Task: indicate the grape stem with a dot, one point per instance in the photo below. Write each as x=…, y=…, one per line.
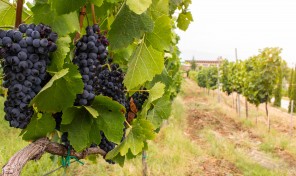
x=128, y=123
x=93, y=13
x=137, y=90
x=19, y=11
x=81, y=18
x=107, y=66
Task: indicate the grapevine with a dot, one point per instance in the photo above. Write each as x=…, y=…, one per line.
x=81, y=92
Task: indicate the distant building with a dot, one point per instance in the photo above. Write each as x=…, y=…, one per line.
x=205, y=63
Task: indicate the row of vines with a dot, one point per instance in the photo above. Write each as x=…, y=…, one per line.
x=99, y=57
x=258, y=78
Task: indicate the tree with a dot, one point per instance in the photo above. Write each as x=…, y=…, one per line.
x=262, y=76
x=225, y=77
x=279, y=87
x=293, y=92
x=193, y=64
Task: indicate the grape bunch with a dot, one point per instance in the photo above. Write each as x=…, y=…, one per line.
x=25, y=54
x=139, y=98
x=90, y=52
x=109, y=82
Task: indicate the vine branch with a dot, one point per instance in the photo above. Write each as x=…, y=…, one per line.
x=35, y=150
x=19, y=11
x=93, y=13
x=81, y=18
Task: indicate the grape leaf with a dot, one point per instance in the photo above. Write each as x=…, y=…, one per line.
x=144, y=64
x=184, y=20
x=67, y=6
x=127, y=26
x=79, y=130
x=164, y=78
x=111, y=117
x=113, y=1
x=138, y=6
x=8, y=13
x=174, y=4
x=60, y=92
x=94, y=134
x=62, y=24
x=58, y=57
x=161, y=110
x=69, y=114
x=155, y=93
x=92, y=111
x=161, y=36
x=141, y=131
x=159, y=8
x=39, y=127
x=97, y=2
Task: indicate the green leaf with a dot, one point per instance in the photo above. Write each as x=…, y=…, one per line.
x=69, y=114
x=111, y=117
x=62, y=24
x=39, y=127
x=144, y=64
x=159, y=8
x=141, y=131
x=79, y=130
x=8, y=13
x=67, y=6
x=127, y=26
x=97, y=2
x=163, y=78
x=138, y=6
x=113, y=1
x=184, y=20
x=92, y=111
x=58, y=57
x=94, y=134
x=161, y=110
x=155, y=93
x=161, y=36
x=60, y=92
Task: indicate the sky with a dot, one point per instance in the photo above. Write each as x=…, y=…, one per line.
x=220, y=26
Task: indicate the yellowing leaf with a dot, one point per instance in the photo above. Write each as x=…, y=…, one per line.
x=138, y=6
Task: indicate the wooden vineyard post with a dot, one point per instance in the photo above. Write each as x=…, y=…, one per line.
x=268, y=118
x=238, y=105
x=291, y=119
x=257, y=115
x=247, y=109
x=144, y=163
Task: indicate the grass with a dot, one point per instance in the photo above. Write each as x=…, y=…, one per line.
x=170, y=153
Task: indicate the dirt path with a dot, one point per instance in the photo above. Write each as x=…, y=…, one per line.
x=201, y=116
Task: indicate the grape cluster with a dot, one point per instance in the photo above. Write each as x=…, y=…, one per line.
x=109, y=82
x=26, y=56
x=139, y=98
x=90, y=52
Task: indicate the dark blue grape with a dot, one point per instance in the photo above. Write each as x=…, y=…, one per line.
x=29, y=32
x=23, y=28
x=15, y=47
x=36, y=43
x=44, y=42
x=6, y=41
x=17, y=36
x=35, y=35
